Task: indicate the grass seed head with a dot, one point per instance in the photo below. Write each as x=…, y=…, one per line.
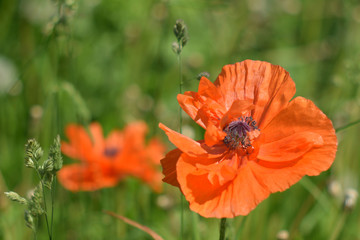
x=13, y=196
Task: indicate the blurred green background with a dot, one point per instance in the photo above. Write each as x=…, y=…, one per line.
x=111, y=61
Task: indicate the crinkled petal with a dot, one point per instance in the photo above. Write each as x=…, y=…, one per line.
x=290, y=148
x=213, y=135
x=211, y=199
x=191, y=147
x=301, y=117
x=238, y=108
x=168, y=164
x=203, y=106
x=268, y=86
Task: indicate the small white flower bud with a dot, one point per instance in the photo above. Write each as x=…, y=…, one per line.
x=350, y=200
x=282, y=235
x=334, y=188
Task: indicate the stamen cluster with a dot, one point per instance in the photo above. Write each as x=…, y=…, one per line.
x=237, y=133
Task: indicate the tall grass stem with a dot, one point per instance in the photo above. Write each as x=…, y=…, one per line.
x=347, y=126
x=339, y=226
x=53, y=189
x=45, y=208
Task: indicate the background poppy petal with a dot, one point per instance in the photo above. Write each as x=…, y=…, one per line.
x=76, y=177
x=97, y=137
x=134, y=133
x=80, y=144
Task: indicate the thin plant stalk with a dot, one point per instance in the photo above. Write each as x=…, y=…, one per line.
x=180, y=90
x=36, y=227
x=53, y=189
x=180, y=130
x=195, y=219
x=180, y=31
x=347, y=126
x=45, y=208
x=222, y=229
x=339, y=226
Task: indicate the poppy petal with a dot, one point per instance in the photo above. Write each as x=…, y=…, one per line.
x=189, y=146
x=211, y=199
x=191, y=107
x=301, y=116
x=204, y=105
x=289, y=148
x=168, y=164
x=268, y=86
x=97, y=137
x=135, y=135
x=80, y=144
x=76, y=177
x=213, y=135
x=208, y=89
x=237, y=109
x=155, y=151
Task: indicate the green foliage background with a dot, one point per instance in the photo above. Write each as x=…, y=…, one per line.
x=111, y=61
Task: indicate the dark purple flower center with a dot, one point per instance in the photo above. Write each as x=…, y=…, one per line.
x=111, y=152
x=237, y=130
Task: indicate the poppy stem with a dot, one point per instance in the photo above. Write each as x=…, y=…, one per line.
x=347, y=125
x=222, y=228
x=180, y=91
x=180, y=131
x=180, y=31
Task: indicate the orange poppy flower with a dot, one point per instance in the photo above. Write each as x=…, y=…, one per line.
x=105, y=161
x=256, y=141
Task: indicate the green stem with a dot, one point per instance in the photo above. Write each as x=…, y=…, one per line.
x=44, y=198
x=36, y=226
x=53, y=189
x=180, y=130
x=339, y=226
x=181, y=215
x=195, y=219
x=222, y=228
x=347, y=125
x=180, y=91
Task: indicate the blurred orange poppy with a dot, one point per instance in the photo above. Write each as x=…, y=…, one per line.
x=256, y=141
x=104, y=161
